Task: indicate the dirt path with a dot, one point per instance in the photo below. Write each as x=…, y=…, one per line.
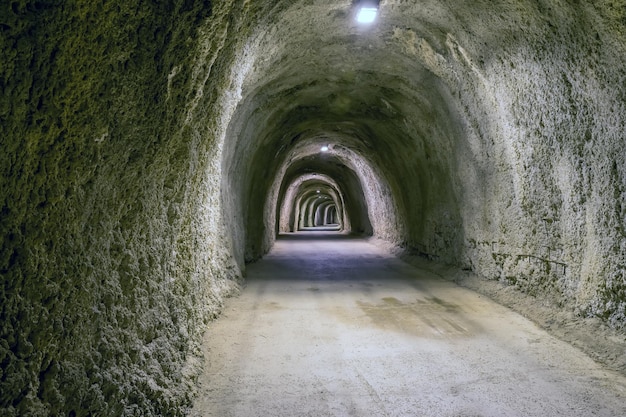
x=336, y=327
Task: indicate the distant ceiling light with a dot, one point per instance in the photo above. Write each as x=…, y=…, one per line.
x=366, y=14
x=324, y=148
x=318, y=191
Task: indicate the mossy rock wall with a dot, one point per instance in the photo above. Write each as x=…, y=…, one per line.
x=113, y=255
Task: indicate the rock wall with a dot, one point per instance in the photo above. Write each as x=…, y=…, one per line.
x=546, y=129
x=113, y=252
x=498, y=130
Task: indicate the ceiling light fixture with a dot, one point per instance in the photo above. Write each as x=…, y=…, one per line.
x=324, y=148
x=366, y=14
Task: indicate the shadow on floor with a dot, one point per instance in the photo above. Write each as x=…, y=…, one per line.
x=319, y=234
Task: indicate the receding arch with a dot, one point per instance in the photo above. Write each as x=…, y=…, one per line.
x=353, y=178
x=290, y=207
x=312, y=202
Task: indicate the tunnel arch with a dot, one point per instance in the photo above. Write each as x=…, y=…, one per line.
x=367, y=123
x=355, y=198
x=325, y=214
x=288, y=204
x=309, y=206
x=441, y=116
x=309, y=186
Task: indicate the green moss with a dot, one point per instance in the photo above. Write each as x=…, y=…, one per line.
x=84, y=99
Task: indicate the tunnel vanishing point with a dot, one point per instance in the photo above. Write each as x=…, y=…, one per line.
x=149, y=150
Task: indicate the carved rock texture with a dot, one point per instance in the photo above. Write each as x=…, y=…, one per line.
x=146, y=148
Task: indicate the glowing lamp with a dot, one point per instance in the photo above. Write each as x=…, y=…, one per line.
x=366, y=14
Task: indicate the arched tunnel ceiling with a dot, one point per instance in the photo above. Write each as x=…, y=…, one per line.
x=310, y=199
x=443, y=110
x=351, y=86
x=293, y=191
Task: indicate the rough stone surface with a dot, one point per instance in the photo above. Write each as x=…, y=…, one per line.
x=146, y=149
x=330, y=326
x=113, y=255
x=497, y=130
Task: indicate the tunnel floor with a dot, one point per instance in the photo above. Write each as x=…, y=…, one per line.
x=330, y=325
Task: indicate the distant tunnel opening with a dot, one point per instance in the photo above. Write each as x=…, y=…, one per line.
x=321, y=191
x=316, y=208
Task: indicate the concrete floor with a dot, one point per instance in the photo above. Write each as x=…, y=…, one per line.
x=333, y=326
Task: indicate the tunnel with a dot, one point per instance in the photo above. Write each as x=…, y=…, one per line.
x=153, y=151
